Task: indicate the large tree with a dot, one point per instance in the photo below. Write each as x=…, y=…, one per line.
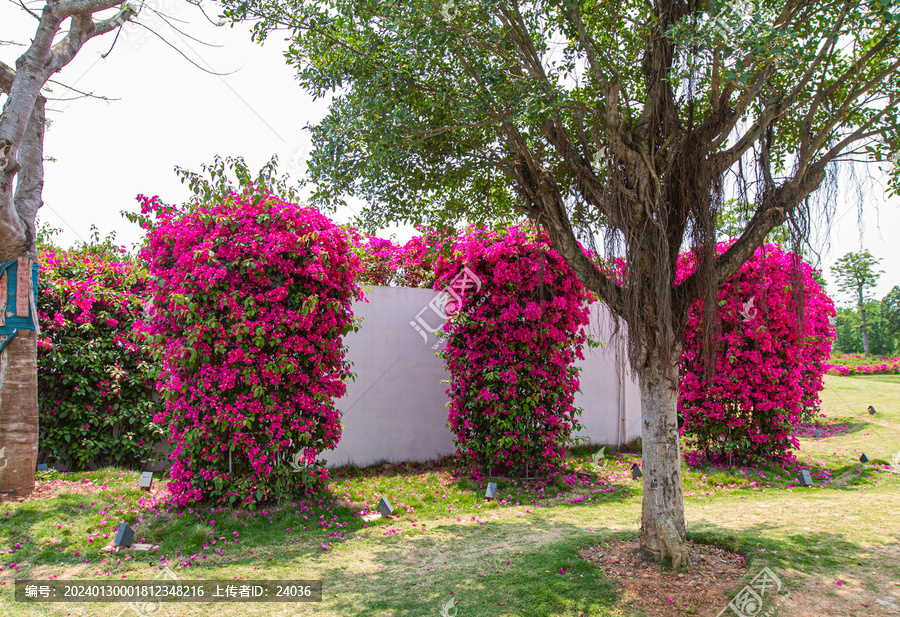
x=627, y=121
x=63, y=27
x=890, y=309
x=856, y=275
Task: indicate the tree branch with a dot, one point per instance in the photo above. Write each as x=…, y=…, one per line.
x=590, y=187
x=772, y=212
x=35, y=66
x=841, y=113
x=7, y=76
x=83, y=29
x=539, y=189
x=860, y=133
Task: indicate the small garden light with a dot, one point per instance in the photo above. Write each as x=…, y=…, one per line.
x=871, y=410
x=636, y=471
x=146, y=480
x=124, y=535
x=817, y=434
x=491, y=491
x=385, y=507
x=805, y=478
x=42, y=467
x=863, y=458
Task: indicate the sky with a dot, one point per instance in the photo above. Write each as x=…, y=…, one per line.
x=168, y=112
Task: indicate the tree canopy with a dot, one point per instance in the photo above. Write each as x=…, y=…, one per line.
x=628, y=118
x=856, y=275
x=890, y=307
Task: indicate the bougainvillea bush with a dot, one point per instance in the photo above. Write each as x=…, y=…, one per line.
x=511, y=349
x=377, y=256
x=96, y=376
x=769, y=360
x=252, y=299
x=409, y=265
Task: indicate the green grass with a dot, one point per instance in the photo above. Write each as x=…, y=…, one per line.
x=449, y=542
x=879, y=378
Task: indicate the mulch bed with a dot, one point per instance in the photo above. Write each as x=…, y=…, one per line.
x=699, y=592
x=44, y=490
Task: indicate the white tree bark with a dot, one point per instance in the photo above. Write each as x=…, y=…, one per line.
x=662, y=511
x=22, y=124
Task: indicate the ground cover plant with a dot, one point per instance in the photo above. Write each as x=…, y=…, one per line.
x=830, y=545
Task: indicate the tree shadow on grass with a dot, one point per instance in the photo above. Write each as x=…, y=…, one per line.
x=489, y=570
x=33, y=517
x=417, y=577
x=807, y=552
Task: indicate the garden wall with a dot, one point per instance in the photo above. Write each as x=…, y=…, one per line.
x=396, y=409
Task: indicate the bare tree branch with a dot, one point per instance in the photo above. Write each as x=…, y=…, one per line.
x=83, y=94
x=43, y=58
x=181, y=53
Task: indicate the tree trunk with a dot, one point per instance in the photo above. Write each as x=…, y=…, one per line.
x=865, y=330
x=863, y=327
x=662, y=513
x=18, y=413
x=18, y=360
x=22, y=124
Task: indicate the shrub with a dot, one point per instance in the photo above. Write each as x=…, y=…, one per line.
x=769, y=360
x=411, y=265
x=252, y=298
x=96, y=376
x=855, y=364
x=377, y=256
x=511, y=349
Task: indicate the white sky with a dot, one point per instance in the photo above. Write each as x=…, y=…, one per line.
x=171, y=113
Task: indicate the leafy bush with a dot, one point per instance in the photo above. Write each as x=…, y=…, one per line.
x=252, y=298
x=769, y=360
x=378, y=256
x=96, y=376
x=412, y=265
x=511, y=349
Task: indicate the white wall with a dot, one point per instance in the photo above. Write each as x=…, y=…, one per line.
x=396, y=409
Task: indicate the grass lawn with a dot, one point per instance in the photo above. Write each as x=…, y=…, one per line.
x=518, y=556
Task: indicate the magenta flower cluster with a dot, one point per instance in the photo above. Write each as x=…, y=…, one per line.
x=511, y=349
x=252, y=298
x=409, y=265
x=94, y=372
x=769, y=360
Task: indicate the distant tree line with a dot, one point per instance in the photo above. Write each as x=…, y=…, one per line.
x=882, y=325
